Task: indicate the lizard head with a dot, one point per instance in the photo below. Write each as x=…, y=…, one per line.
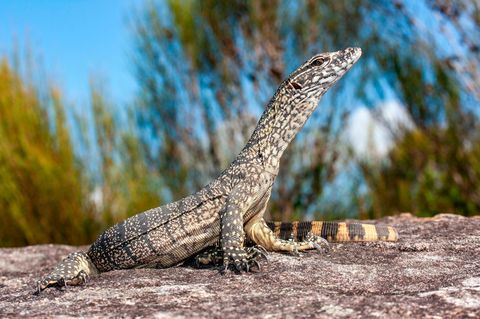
x=314, y=77
x=296, y=99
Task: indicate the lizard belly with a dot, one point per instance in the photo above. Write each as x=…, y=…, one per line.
x=184, y=237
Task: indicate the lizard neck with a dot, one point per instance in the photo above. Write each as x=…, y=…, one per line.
x=283, y=118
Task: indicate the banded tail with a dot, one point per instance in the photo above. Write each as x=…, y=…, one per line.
x=334, y=231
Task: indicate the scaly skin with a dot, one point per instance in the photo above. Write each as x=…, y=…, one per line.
x=333, y=231
x=296, y=236
x=228, y=209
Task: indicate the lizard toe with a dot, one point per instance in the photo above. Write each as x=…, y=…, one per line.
x=212, y=256
x=258, y=251
x=244, y=260
x=72, y=271
x=319, y=243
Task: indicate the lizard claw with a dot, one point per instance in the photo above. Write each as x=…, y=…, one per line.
x=257, y=264
x=295, y=251
x=257, y=252
x=261, y=248
x=319, y=243
x=38, y=289
x=224, y=269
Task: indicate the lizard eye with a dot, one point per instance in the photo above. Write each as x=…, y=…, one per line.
x=320, y=61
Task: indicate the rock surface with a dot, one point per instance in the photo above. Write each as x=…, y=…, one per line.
x=433, y=271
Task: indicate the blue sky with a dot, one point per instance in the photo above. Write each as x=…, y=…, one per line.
x=75, y=40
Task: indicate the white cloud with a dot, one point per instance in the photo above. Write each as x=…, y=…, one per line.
x=96, y=197
x=370, y=132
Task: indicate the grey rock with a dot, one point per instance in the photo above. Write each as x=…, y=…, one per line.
x=432, y=272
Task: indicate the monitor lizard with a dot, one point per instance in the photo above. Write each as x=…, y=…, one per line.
x=231, y=207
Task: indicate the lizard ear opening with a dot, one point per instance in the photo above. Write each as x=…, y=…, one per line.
x=295, y=85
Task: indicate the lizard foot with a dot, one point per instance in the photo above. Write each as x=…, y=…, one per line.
x=242, y=259
x=319, y=243
x=211, y=256
x=74, y=270
x=59, y=281
x=214, y=255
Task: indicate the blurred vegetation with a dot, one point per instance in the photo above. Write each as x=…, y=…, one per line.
x=207, y=66
x=126, y=187
x=433, y=167
x=46, y=192
x=205, y=70
x=42, y=188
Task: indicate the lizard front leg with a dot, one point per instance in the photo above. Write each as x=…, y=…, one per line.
x=259, y=232
x=232, y=232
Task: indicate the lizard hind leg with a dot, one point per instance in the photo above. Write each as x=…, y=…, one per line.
x=259, y=232
x=73, y=270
